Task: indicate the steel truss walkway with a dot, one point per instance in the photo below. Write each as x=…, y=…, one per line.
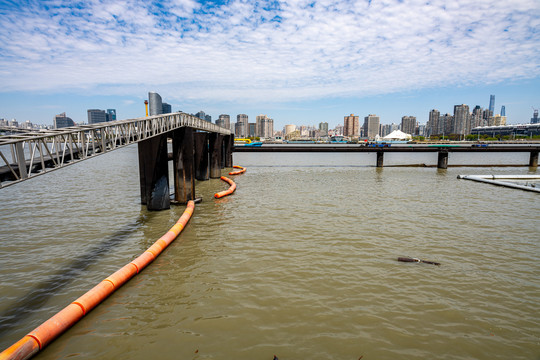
x=29, y=154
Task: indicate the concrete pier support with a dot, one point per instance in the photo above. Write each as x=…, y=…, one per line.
x=202, y=169
x=380, y=158
x=183, y=165
x=533, y=160
x=442, y=161
x=215, y=155
x=154, y=173
x=228, y=144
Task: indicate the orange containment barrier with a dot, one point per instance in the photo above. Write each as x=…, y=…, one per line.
x=243, y=170
x=229, y=191
x=41, y=336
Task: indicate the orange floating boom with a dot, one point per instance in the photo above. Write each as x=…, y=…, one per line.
x=239, y=171
x=41, y=336
x=229, y=191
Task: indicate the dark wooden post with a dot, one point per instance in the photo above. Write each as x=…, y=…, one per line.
x=202, y=170
x=215, y=155
x=229, y=150
x=380, y=158
x=533, y=160
x=223, y=150
x=442, y=160
x=154, y=173
x=183, y=165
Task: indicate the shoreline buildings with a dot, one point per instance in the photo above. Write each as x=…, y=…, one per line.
x=61, y=120
x=351, y=126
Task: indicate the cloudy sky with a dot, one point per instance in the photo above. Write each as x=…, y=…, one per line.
x=297, y=61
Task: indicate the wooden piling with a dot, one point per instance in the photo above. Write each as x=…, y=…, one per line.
x=202, y=170
x=229, y=151
x=183, y=165
x=533, y=160
x=154, y=173
x=380, y=158
x=215, y=155
x=442, y=159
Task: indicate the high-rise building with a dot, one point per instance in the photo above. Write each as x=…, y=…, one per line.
x=96, y=116
x=252, y=129
x=503, y=110
x=351, y=126
x=225, y=120
x=155, y=103
x=242, y=125
x=499, y=120
x=166, y=108
x=408, y=124
x=476, y=117
x=534, y=119
x=259, y=124
x=492, y=104
x=323, y=129
x=487, y=118
x=201, y=115
x=208, y=118
x=371, y=126
x=462, y=122
x=264, y=126
x=61, y=120
x=432, y=127
x=112, y=114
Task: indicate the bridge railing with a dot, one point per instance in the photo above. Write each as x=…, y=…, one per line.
x=29, y=154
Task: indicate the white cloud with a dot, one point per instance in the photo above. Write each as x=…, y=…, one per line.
x=253, y=51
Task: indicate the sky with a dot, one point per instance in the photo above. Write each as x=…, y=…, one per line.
x=299, y=62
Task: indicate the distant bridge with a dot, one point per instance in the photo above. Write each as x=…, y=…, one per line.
x=31, y=153
x=380, y=149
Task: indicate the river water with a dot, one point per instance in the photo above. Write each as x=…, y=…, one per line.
x=300, y=262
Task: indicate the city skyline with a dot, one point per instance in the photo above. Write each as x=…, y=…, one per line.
x=302, y=62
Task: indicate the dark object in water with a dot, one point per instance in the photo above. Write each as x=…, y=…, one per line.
x=409, y=259
x=275, y=357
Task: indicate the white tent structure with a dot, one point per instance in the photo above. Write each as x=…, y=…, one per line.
x=398, y=135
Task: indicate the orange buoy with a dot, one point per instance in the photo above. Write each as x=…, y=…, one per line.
x=243, y=170
x=229, y=191
x=41, y=336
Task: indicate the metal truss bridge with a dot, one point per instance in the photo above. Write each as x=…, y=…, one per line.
x=28, y=154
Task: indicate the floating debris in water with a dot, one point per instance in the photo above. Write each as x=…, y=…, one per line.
x=410, y=259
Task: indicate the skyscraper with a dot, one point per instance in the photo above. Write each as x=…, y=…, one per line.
x=112, y=114
x=462, y=123
x=166, y=108
x=242, y=125
x=201, y=115
x=323, y=129
x=371, y=126
x=534, y=119
x=408, y=124
x=155, y=103
x=264, y=126
x=432, y=127
x=476, y=118
x=225, y=120
x=492, y=104
x=97, y=116
x=503, y=110
x=447, y=124
x=61, y=120
x=351, y=126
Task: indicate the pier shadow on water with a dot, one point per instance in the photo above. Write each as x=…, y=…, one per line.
x=37, y=296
